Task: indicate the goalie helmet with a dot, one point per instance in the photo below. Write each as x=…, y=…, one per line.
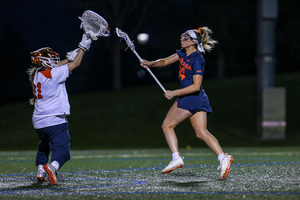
x=45, y=57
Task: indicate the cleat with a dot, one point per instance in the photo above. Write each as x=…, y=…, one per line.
x=174, y=164
x=40, y=177
x=51, y=173
x=225, y=166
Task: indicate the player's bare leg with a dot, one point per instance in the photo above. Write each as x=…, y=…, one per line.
x=173, y=118
x=199, y=123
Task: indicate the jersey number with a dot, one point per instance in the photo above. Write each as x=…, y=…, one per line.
x=39, y=96
x=182, y=73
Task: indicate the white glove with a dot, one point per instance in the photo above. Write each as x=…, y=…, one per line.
x=72, y=54
x=85, y=43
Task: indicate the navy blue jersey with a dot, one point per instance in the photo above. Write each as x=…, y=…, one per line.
x=188, y=67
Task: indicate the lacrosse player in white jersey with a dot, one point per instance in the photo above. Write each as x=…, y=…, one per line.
x=51, y=105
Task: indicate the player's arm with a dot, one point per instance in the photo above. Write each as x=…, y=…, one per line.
x=160, y=62
x=70, y=57
x=75, y=56
x=63, y=62
x=195, y=87
x=77, y=61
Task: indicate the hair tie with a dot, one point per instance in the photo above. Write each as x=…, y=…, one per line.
x=199, y=30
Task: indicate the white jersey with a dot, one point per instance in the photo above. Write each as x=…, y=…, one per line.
x=51, y=104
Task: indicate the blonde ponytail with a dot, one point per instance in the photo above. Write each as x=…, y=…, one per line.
x=207, y=42
x=31, y=72
x=204, y=35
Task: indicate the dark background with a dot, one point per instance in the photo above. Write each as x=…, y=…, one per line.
x=26, y=25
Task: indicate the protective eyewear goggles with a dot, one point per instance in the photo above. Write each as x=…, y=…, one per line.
x=185, y=36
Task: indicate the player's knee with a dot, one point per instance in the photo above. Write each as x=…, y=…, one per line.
x=166, y=126
x=201, y=134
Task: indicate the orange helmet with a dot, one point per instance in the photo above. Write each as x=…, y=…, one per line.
x=45, y=57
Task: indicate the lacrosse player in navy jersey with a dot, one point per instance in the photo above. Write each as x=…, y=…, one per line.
x=192, y=102
x=51, y=105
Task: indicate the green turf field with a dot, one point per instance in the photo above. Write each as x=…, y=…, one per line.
x=256, y=173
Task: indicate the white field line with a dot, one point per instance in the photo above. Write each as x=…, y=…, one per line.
x=185, y=154
x=85, y=155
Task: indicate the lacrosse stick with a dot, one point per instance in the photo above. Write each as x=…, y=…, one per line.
x=130, y=44
x=94, y=25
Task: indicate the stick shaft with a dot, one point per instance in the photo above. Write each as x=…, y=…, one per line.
x=148, y=69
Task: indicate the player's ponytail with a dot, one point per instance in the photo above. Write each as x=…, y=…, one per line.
x=31, y=72
x=205, y=36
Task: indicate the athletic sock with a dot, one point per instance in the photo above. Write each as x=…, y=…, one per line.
x=55, y=164
x=221, y=156
x=41, y=168
x=175, y=155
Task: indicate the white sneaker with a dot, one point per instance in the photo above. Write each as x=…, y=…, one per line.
x=225, y=165
x=174, y=164
x=40, y=177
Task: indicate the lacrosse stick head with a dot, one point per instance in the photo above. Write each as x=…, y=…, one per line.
x=94, y=25
x=124, y=36
x=45, y=57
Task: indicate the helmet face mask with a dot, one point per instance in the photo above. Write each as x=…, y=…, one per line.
x=45, y=57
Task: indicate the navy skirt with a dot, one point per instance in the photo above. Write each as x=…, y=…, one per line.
x=195, y=102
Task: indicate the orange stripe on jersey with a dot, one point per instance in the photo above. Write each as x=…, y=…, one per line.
x=47, y=73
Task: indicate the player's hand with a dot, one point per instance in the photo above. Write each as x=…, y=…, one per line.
x=72, y=54
x=145, y=64
x=85, y=43
x=169, y=94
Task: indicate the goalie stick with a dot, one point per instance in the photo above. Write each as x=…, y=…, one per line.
x=130, y=44
x=94, y=25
